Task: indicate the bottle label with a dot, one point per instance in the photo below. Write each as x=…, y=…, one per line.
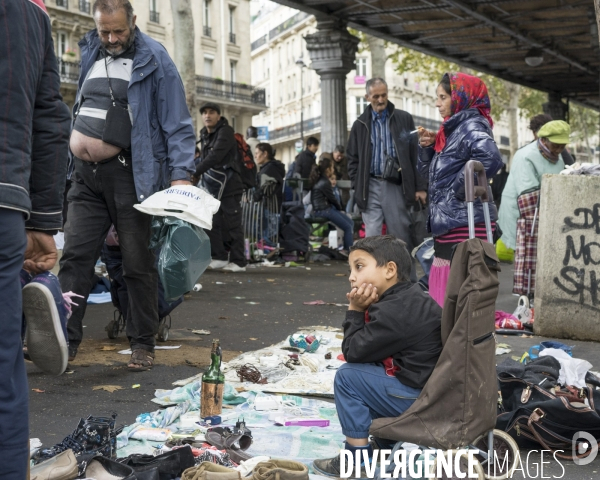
x=211, y=399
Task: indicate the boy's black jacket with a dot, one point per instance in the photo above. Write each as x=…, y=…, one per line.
x=405, y=324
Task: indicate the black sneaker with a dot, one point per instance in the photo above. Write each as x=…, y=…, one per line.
x=330, y=467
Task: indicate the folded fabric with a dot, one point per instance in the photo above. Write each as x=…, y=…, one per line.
x=572, y=370
x=99, y=298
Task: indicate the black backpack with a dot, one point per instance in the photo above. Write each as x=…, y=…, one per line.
x=246, y=166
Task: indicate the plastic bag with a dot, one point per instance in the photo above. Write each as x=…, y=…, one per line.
x=186, y=202
x=184, y=255
x=523, y=312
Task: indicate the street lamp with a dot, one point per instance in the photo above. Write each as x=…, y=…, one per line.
x=301, y=64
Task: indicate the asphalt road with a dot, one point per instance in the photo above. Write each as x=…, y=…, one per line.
x=246, y=311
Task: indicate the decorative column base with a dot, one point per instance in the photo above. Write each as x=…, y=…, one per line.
x=332, y=53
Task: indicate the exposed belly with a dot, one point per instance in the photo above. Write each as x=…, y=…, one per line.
x=91, y=149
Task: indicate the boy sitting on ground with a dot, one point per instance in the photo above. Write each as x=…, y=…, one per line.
x=392, y=342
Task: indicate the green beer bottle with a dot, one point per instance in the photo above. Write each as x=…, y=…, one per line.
x=213, y=381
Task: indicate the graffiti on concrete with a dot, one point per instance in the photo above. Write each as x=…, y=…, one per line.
x=578, y=278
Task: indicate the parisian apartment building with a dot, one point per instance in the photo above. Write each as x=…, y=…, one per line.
x=278, y=55
x=221, y=49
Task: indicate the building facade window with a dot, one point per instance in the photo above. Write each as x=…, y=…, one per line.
x=232, y=25
x=361, y=103
x=206, y=30
x=279, y=57
x=232, y=70
x=84, y=6
x=361, y=67
x=208, y=67
x=154, y=15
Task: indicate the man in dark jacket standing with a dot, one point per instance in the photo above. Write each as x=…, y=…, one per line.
x=219, y=170
x=382, y=131
x=34, y=131
x=306, y=159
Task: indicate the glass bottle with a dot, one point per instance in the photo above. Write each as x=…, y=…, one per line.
x=213, y=381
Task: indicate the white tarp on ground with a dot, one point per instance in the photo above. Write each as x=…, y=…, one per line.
x=314, y=375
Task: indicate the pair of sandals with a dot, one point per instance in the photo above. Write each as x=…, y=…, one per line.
x=141, y=360
x=235, y=441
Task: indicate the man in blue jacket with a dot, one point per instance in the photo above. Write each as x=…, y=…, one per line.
x=132, y=135
x=34, y=129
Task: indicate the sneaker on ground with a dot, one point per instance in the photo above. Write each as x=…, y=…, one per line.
x=218, y=264
x=46, y=316
x=233, y=267
x=330, y=467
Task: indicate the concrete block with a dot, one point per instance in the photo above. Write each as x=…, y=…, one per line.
x=567, y=293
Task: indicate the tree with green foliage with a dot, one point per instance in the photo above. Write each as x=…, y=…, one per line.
x=506, y=97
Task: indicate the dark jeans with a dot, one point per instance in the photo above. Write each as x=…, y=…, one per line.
x=14, y=399
x=103, y=194
x=341, y=220
x=227, y=227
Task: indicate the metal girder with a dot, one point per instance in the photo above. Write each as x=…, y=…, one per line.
x=521, y=37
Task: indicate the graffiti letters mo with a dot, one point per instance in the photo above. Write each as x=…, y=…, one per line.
x=579, y=276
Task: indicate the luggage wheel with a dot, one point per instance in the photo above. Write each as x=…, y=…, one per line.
x=504, y=447
x=163, y=328
x=116, y=325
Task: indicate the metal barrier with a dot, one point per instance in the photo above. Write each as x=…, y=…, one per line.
x=261, y=224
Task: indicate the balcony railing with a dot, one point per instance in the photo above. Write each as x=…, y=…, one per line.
x=207, y=31
x=69, y=71
x=259, y=42
x=232, y=38
x=428, y=123
x=289, y=23
x=213, y=87
x=154, y=16
x=84, y=6
x=294, y=130
x=62, y=3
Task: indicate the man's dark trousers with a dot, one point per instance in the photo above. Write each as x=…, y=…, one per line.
x=227, y=227
x=103, y=194
x=14, y=399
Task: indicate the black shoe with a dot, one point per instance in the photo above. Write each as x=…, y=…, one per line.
x=72, y=352
x=95, y=435
x=330, y=467
x=169, y=465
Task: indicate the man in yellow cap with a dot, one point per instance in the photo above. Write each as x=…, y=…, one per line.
x=529, y=164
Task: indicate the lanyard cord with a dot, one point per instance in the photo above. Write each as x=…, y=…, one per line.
x=108, y=78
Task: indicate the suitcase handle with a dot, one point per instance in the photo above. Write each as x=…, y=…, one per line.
x=479, y=191
x=471, y=191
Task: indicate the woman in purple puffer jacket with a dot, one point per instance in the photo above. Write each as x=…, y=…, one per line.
x=466, y=134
